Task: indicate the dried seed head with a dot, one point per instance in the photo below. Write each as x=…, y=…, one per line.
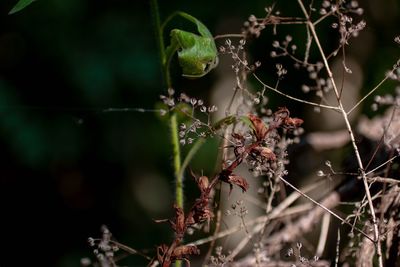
x=91, y=241
x=289, y=252
x=397, y=39
x=171, y=91
x=203, y=182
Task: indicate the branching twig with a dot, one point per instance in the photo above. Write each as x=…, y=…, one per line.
x=349, y=128
x=294, y=98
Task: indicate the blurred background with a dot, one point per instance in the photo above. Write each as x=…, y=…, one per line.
x=67, y=166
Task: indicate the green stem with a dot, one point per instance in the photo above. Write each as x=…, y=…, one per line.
x=160, y=40
x=177, y=161
x=173, y=118
x=177, y=166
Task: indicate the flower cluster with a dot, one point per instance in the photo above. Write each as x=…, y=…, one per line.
x=104, y=249
x=348, y=29
x=237, y=209
x=219, y=259
x=321, y=86
x=254, y=26
x=329, y=7
x=240, y=63
x=192, y=109
x=301, y=260
x=284, y=47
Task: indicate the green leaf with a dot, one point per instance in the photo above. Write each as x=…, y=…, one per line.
x=20, y=5
x=197, y=54
x=200, y=26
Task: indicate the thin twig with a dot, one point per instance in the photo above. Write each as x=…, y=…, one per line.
x=337, y=248
x=381, y=140
x=130, y=250
x=370, y=92
x=383, y=180
x=381, y=165
x=323, y=17
x=294, y=98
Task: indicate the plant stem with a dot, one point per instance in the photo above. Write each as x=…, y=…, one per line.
x=176, y=161
x=159, y=35
x=173, y=118
x=159, y=30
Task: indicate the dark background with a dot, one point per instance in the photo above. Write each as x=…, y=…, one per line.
x=66, y=166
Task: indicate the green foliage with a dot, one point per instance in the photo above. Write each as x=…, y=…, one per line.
x=197, y=54
x=20, y=5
